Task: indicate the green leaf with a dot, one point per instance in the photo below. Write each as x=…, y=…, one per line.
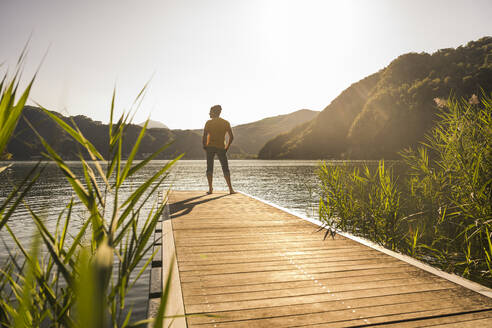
x=77, y=135
x=159, y=319
x=10, y=114
x=133, y=152
x=23, y=317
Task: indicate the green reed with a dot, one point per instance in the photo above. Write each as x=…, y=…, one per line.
x=83, y=279
x=440, y=209
x=10, y=113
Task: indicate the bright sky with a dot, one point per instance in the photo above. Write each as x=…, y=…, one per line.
x=256, y=58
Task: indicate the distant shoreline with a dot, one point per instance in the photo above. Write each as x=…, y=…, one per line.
x=371, y=161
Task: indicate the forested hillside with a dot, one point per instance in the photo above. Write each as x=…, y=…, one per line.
x=249, y=138
x=26, y=145
x=391, y=109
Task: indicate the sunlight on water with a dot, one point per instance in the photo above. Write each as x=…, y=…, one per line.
x=290, y=184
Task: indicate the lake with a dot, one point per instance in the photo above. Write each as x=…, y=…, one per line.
x=288, y=183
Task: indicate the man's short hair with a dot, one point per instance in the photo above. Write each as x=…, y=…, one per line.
x=216, y=110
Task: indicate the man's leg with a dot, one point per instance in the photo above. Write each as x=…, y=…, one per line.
x=227, y=177
x=225, y=169
x=210, y=168
x=210, y=178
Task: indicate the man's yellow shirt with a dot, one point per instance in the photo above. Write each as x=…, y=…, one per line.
x=216, y=129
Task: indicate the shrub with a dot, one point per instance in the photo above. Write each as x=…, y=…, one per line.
x=440, y=208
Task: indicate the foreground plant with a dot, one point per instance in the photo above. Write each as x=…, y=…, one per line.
x=10, y=113
x=83, y=279
x=440, y=210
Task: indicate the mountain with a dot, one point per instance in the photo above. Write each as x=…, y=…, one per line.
x=390, y=109
x=326, y=134
x=25, y=145
x=154, y=125
x=249, y=138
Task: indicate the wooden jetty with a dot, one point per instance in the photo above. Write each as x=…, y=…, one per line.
x=240, y=262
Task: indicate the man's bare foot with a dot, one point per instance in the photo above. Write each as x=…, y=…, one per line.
x=210, y=191
x=231, y=191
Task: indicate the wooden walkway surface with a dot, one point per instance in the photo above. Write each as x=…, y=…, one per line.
x=252, y=265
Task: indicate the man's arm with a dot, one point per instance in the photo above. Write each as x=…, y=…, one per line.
x=204, y=138
x=231, y=137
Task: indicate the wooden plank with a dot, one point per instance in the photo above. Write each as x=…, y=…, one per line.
x=283, y=266
x=283, y=261
x=240, y=232
x=470, y=320
x=339, y=285
x=312, y=298
x=318, y=307
x=486, y=322
x=243, y=231
x=252, y=278
x=352, y=317
x=194, y=247
x=217, y=257
x=311, y=291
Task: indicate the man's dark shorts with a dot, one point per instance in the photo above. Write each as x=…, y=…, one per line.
x=221, y=154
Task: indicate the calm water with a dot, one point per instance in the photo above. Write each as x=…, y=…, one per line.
x=291, y=184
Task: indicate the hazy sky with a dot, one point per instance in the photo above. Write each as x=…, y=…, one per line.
x=256, y=58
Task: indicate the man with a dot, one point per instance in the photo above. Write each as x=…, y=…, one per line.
x=214, y=143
